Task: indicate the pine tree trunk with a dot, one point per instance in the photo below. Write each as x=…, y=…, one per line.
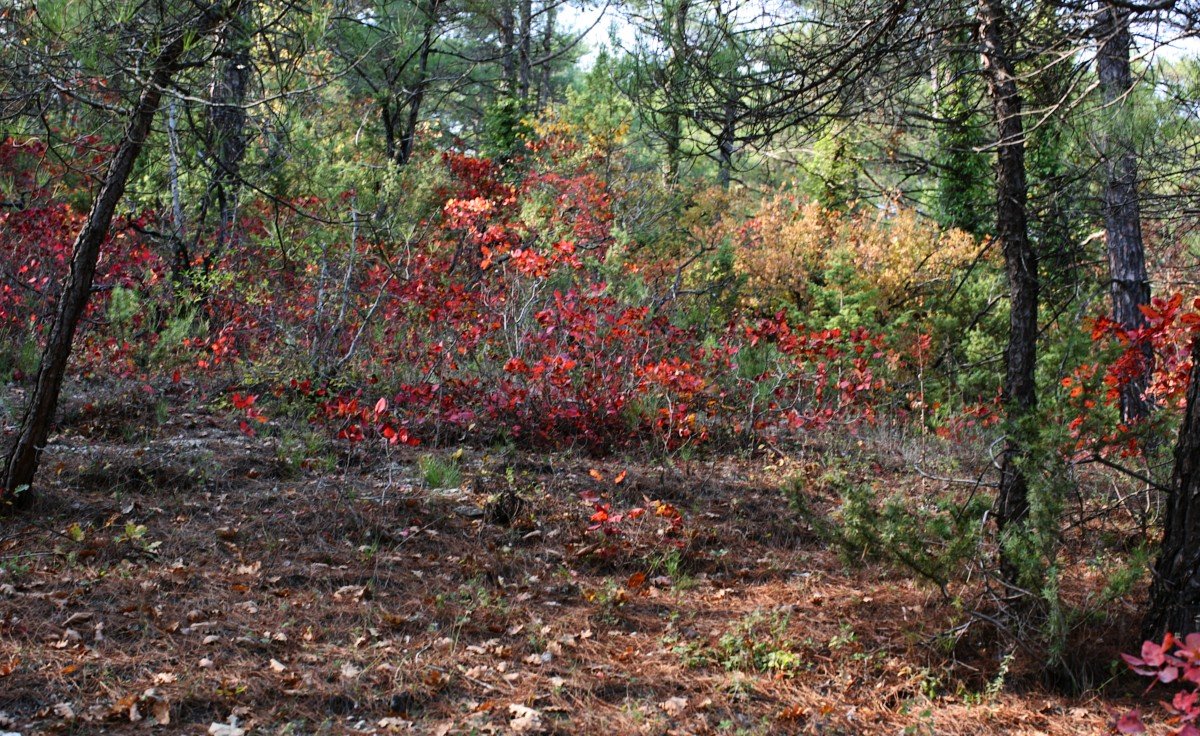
x=227, y=122
x=524, y=52
x=416, y=98
x=22, y=462
x=1130, y=285
x=726, y=145
x=1020, y=260
x=1175, y=588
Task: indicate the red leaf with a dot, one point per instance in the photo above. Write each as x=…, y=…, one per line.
x=1131, y=722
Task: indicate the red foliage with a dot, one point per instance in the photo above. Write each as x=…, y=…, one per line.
x=37, y=233
x=1172, y=660
x=499, y=317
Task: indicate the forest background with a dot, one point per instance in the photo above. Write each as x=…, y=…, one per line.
x=922, y=275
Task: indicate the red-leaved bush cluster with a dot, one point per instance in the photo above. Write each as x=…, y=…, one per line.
x=1171, y=662
x=505, y=314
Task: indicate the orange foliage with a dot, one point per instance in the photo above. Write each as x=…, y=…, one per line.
x=788, y=246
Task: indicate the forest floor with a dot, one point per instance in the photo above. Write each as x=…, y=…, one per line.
x=178, y=576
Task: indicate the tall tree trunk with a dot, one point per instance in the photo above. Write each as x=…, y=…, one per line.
x=1130, y=285
x=677, y=39
x=416, y=98
x=388, y=116
x=227, y=122
x=181, y=257
x=26, y=452
x=524, y=52
x=545, y=93
x=726, y=144
x=1019, y=397
x=1175, y=587
x=508, y=45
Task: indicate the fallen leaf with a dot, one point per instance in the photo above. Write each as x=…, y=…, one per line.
x=226, y=729
x=524, y=719
x=277, y=666
x=161, y=710
x=394, y=724
x=78, y=617
x=673, y=706
x=353, y=592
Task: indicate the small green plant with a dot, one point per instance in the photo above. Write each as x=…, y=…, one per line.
x=845, y=637
x=123, y=306
x=608, y=600
x=933, y=538
x=440, y=472
x=996, y=685
x=758, y=643
x=135, y=534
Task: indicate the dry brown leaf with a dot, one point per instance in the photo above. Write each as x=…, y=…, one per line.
x=524, y=719
x=252, y=569
x=673, y=706
x=78, y=617
x=161, y=710
x=226, y=729
x=394, y=724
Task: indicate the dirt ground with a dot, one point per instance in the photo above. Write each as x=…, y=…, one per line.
x=178, y=576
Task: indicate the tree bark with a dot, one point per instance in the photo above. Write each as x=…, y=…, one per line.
x=676, y=33
x=545, y=91
x=1130, y=284
x=1175, y=587
x=726, y=143
x=227, y=122
x=508, y=44
x=524, y=51
x=416, y=98
x=22, y=462
x=1019, y=396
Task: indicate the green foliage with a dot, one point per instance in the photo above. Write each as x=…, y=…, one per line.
x=439, y=472
x=836, y=171
x=933, y=538
x=756, y=643
x=964, y=184
x=504, y=127
x=123, y=307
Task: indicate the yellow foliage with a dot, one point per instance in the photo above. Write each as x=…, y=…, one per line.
x=894, y=252
x=594, y=137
